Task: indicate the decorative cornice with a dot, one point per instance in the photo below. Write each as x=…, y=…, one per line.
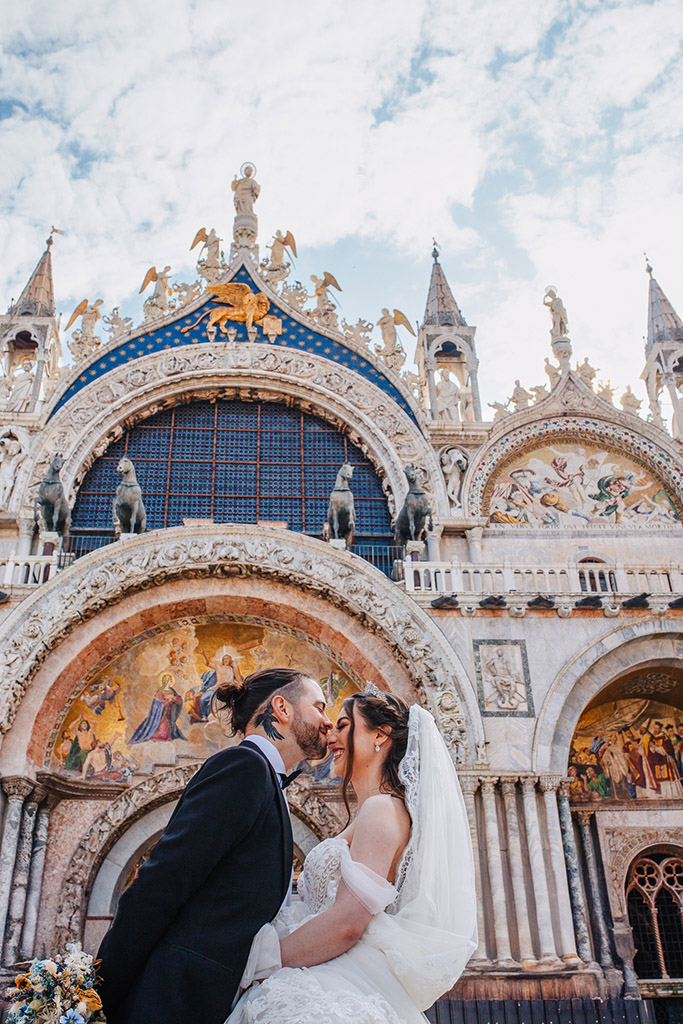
x=105, y=576
x=16, y=787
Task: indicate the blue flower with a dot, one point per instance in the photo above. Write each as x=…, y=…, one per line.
x=71, y=1017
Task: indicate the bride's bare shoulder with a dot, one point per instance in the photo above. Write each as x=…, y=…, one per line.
x=385, y=813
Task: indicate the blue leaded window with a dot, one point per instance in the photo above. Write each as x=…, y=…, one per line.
x=234, y=462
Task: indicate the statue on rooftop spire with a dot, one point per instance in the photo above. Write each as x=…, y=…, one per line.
x=245, y=226
x=558, y=313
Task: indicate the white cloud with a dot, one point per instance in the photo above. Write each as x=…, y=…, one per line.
x=537, y=144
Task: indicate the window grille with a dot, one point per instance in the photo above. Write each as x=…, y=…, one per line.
x=654, y=895
x=233, y=462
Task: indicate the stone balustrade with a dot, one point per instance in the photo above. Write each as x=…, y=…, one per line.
x=571, y=580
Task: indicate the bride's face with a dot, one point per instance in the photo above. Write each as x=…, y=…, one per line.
x=364, y=739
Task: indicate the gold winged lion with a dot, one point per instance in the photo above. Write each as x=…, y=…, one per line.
x=245, y=306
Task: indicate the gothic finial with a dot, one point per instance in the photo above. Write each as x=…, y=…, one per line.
x=435, y=250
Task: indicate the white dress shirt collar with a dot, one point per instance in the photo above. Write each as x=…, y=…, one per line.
x=270, y=750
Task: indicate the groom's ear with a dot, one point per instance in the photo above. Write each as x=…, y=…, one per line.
x=282, y=709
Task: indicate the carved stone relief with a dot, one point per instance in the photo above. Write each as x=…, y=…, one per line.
x=620, y=846
x=503, y=680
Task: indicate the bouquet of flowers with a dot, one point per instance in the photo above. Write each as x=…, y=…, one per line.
x=59, y=990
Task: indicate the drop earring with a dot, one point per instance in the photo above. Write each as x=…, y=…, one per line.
x=377, y=747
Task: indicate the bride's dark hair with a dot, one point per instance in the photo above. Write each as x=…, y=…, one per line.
x=389, y=714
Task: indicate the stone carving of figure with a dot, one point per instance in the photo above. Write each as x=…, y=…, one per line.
x=466, y=404
x=540, y=392
x=295, y=295
x=157, y=304
x=454, y=466
x=606, y=392
x=586, y=372
x=116, y=325
x=209, y=263
x=11, y=457
x=553, y=373
x=508, y=689
x=520, y=397
x=325, y=310
x=358, y=332
x=277, y=268
x=22, y=386
x=500, y=410
x=245, y=189
x=447, y=395
x=558, y=313
x=629, y=402
x=392, y=351
x=84, y=341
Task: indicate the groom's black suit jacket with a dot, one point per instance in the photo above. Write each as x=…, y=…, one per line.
x=178, y=945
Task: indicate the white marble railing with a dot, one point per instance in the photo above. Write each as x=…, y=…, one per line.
x=27, y=570
x=506, y=578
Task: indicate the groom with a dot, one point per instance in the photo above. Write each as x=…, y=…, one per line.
x=178, y=945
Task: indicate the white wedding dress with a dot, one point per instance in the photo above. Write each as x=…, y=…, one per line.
x=423, y=929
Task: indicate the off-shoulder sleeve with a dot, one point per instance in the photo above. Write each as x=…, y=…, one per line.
x=369, y=888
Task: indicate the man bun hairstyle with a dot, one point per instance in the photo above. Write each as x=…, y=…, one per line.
x=242, y=701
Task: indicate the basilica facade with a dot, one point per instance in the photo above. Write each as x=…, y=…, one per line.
x=244, y=480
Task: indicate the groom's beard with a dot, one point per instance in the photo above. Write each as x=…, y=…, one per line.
x=311, y=742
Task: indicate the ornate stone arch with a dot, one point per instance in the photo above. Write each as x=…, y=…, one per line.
x=107, y=575
x=572, y=410
x=623, y=845
x=640, y=644
x=84, y=427
x=132, y=804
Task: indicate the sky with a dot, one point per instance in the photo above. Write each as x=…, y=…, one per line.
x=538, y=143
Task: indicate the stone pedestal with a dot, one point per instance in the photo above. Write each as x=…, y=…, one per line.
x=49, y=540
x=338, y=542
x=562, y=350
x=415, y=549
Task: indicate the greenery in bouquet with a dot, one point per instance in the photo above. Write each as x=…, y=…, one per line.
x=58, y=990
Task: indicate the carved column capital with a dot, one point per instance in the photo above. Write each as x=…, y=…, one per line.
x=549, y=782
x=38, y=795
x=563, y=788
x=583, y=817
x=17, y=787
x=469, y=784
x=488, y=784
x=508, y=784
x=528, y=784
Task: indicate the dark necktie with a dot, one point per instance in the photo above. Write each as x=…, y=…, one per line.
x=286, y=779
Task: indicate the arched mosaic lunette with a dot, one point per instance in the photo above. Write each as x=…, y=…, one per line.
x=640, y=447
x=349, y=583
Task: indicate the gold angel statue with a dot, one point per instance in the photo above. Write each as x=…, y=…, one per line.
x=244, y=306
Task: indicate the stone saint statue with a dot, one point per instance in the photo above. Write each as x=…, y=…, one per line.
x=553, y=373
x=447, y=395
x=246, y=190
x=22, y=385
x=586, y=372
x=558, y=313
x=520, y=397
x=11, y=457
x=629, y=402
x=454, y=466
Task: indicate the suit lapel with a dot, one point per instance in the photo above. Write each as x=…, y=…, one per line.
x=285, y=821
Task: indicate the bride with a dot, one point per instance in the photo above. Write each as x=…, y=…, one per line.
x=387, y=918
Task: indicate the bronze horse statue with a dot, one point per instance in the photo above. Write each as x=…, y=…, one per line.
x=415, y=518
x=51, y=500
x=129, y=509
x=341, y=513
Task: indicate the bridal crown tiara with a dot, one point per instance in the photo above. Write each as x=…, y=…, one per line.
x=373, y=690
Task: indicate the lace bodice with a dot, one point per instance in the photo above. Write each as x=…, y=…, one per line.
x=319, y=880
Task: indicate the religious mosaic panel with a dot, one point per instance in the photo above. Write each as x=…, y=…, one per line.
x=503, y=683
x=570, y=484
x=150, y=701
x=629, y=746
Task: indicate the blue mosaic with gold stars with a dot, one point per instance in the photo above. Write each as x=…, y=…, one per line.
x=294, y=335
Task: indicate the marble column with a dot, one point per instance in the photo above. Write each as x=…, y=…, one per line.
x=27, y=528
x=434, y=544
x=526, y=948
x=571, y=858
x=430, y=369
x=469, y=785
x=496, y=877
x=35, y=879
x=22, y=867
x=16, y=789
x=537, y=863
x=598, y=916
x=567, y=942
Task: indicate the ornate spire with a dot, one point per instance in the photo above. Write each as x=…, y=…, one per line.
x=663, y=322
x=38, y=297
x=441, y=309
